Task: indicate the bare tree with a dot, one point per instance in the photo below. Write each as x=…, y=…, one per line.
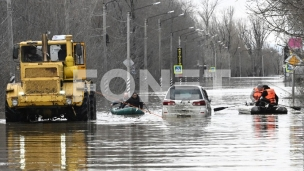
x=283, y=16
x=208, y=10
x=259, y=35
x=272, y=61
x=228, y=37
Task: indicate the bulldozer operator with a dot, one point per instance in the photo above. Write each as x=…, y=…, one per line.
x=32, y=55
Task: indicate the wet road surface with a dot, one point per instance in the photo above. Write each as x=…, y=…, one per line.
x=226, y=140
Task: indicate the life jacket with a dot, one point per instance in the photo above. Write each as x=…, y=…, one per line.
x=257, y=94
x=271, y=95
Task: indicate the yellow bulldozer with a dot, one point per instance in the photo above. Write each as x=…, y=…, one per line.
x=53, y=84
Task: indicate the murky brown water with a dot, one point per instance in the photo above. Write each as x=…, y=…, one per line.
x=226, y=140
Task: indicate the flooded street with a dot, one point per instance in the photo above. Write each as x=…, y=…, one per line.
x=226, y=140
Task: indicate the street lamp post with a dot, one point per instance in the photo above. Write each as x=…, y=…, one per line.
x=201, y=42
x=159, y=54
x=128, y=54
x=214, y=53
x=10, y=31
x=229, y=65
x=240, y=61
x=145, y=43
x=128, y=45
x=171, y=51
x=171, y=35
x=240, y=69
x=240, y=64
x=215, y=58
x=263, y=65
x=200, y=59
x=104, y=34
x=196, y=31
x=179, y=38
x=179, y=45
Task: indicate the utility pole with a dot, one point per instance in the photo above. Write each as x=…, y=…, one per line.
x=128, y=54
x=159, y=46
x=263, y=65
x=67, y=16
x=171, y=48
x=171, y=59
x=104, y=38
x=159, y=54
x=10, y=34
x=128, y=45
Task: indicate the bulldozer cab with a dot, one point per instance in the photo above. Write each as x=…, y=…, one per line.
x=61, y=48
x=55, y=52
x=31, y=54
x=59, y=53
x=78, y=51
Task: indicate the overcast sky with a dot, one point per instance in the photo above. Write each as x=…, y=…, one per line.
x=240, y=12
x=239, y=7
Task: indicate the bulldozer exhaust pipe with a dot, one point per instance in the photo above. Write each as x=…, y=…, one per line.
x=44, y=47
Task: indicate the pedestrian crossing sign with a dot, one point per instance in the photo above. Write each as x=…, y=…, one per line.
x=212, y=69
x=289, y=67
x=178, y=69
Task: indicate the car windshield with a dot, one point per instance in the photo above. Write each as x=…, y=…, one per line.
x=184, y=93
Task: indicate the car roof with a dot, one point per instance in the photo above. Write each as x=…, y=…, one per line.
x=198, y=86
x=187, y=87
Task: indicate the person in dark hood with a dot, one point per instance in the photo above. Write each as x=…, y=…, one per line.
x=269, y=96
x=134, y=101
x=32, y=56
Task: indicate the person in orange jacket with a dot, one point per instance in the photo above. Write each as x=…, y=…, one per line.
x=269, y=96
x=256, y=93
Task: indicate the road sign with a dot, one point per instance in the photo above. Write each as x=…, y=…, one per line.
x=133, y=70
x=178, y=69
x=212, y=69
x=179, y=56
x=128, y=62
x=293, y=60
x=289, y=68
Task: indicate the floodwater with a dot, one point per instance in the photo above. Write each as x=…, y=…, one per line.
x=226, y=140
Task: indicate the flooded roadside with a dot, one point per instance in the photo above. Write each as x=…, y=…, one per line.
x=224, y=141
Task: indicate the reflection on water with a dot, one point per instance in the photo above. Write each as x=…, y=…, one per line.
x=47, y=146
x=265, y=125
x=296, y=140
x=219, y=142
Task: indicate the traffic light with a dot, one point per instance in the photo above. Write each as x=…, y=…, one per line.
x=286, y=52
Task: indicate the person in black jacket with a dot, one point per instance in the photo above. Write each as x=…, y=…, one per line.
x=32, y=55
x=134, y=101
x=263, y=98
